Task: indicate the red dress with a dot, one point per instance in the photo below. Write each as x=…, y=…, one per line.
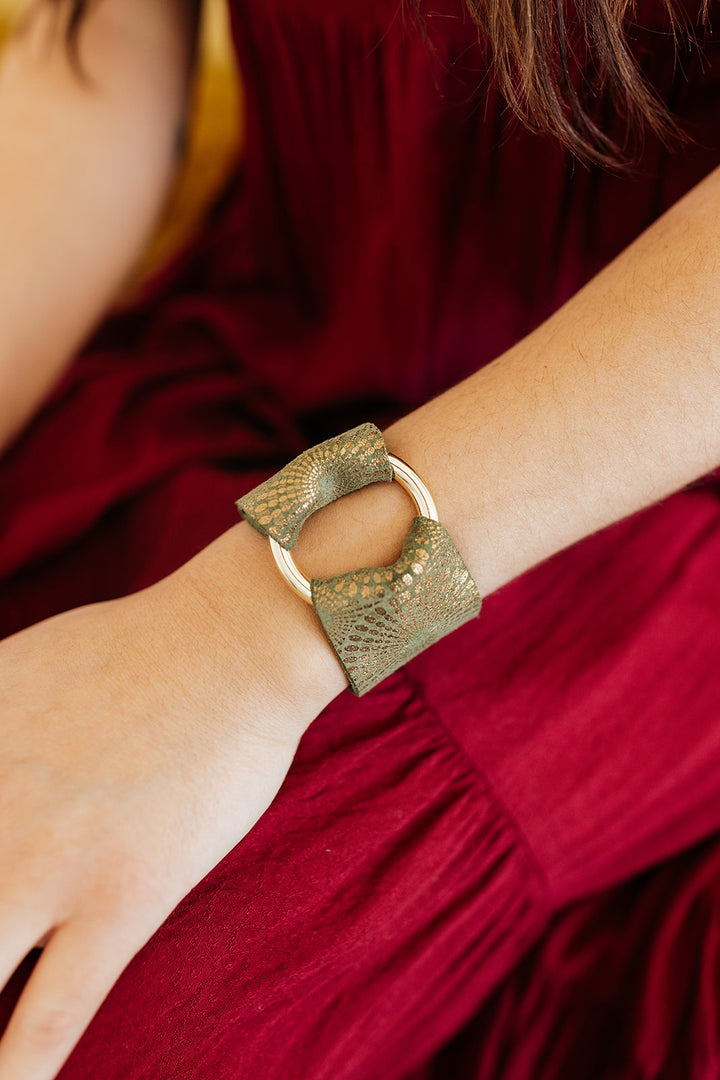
x=504, y=862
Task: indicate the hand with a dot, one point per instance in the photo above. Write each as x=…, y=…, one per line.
x=131, y=763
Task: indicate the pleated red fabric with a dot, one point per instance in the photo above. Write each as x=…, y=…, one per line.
x=504, y=862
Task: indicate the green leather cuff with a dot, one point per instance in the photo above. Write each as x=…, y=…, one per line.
x=378, y=618
x=375, y=618
x=281, y=505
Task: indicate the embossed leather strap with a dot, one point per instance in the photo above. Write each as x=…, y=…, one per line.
x=281, y=505
x=375, y=618
x=378, y=618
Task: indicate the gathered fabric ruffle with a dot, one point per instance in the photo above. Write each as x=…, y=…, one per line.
x=622, y=985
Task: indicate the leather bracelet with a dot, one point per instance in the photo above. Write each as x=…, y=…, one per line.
x=375, y=618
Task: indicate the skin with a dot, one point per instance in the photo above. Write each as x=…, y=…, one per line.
x=112, y=144
x=133, y=725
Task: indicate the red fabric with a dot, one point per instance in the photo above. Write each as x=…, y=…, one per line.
x=504, y=862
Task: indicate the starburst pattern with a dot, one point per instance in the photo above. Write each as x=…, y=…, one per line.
x=378, y=618
x=281, y=505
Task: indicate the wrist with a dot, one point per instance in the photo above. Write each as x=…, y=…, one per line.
x=364, y=528
x=378, y=611
x=253, y=619
x=254, y=627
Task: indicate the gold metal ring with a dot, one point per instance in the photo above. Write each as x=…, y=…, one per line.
x=406, y=477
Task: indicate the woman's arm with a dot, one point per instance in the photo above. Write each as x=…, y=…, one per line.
x=161, y=725
x=84, y=169
x=610, y=405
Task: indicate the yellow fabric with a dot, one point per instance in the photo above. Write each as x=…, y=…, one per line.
x=215, y=138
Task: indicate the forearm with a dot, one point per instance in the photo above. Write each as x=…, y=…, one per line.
x=610, y=405
x=84, y=169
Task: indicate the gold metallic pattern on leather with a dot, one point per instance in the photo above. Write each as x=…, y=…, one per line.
x=378, y=618
x=279, y=506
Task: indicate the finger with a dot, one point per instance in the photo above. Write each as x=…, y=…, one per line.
x=22, y=928
x=79, y=966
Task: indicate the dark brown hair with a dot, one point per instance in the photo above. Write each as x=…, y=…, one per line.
x=539, y=63
x=542, y=54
